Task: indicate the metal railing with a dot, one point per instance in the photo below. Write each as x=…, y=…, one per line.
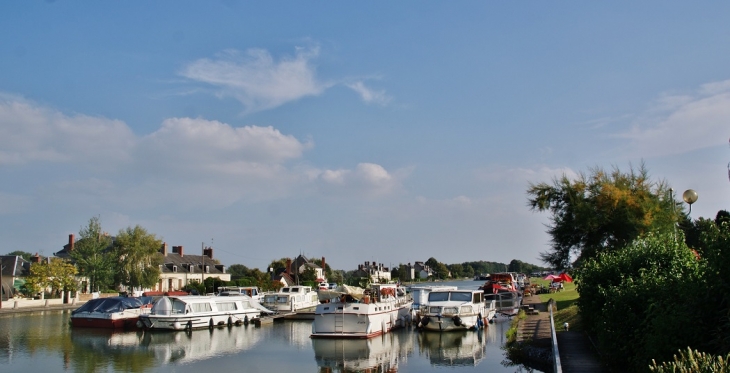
x=557, y=368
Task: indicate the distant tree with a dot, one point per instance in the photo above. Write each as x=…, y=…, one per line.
x=457, y=270
x=237, y=271
x=468, y=271
x=601, y=212
x=308, y=275
x=337, y=276
x=432, y=262
x=22, y=254
x=139, y=259
x=92, y=256
x=58, y=274
x=441, y=271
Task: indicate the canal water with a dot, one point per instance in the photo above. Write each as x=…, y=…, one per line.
x=44, y=342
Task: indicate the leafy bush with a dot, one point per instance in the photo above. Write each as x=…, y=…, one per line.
x=638, y=300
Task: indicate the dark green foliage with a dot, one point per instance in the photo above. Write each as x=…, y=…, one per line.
x=94, y=256
x=640, y=301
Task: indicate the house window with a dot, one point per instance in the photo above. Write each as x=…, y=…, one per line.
x=174, y=268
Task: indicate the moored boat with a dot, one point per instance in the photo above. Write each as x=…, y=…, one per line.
x=252, y=292
x=111, y=312
x=373, y=312
x=291, y=299
x=420, y=293
x=454, y=309
x=502, y=288
x=194, y=312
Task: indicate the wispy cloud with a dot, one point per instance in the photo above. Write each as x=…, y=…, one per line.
x=256, y=79
x=369, y=95
x=366, y=180
x=682, y=123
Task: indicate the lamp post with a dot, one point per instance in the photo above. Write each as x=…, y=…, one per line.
x=689, y=196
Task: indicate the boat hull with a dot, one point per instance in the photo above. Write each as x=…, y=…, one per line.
x=197, y=321
x=359, y=320
x=107, y=321
x=197, y=312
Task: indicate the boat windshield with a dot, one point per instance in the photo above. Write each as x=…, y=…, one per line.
x=438, y=296
x=461, y=297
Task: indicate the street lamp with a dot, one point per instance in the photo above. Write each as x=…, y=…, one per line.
x=690, y=197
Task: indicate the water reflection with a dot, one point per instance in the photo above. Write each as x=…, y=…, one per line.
x=44, y=341
x=453, y=348
x=379, y=354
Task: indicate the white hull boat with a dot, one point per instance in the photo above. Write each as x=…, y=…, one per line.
x=383, y=308
x=195, y=312
x=291, y=299
x=448, y=310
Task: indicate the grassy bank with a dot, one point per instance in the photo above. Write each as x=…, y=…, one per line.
x=565, y=302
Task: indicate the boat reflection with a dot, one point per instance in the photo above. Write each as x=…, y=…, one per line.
x=456, y=348
x=380, y=354
x=164, y=347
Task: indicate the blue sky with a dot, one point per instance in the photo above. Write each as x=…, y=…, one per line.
x=367, y=131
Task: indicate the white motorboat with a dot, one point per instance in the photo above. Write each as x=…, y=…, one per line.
x=252, y=292
x=375, y=311
x=454, y=310
x=420, y=293
x=194, y=312
x=291, y=299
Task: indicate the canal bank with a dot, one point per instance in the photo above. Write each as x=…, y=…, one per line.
x=32, y=305
x=534, y=342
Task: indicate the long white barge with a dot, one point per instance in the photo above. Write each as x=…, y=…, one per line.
x=195, y=312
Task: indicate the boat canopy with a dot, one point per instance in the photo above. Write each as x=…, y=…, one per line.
x=112, y=304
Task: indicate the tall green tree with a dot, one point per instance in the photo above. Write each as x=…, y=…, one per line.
x=139, y=259
x=602, y=211
x=93, y=256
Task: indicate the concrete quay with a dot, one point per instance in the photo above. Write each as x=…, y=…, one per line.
x=32, y=305
x=575, y=348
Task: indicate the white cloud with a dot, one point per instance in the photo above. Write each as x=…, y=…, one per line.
x=31, y=133
x=367, y=179
x=256, y=79
x=199, y=144
x=368, y=95
x=679, y=124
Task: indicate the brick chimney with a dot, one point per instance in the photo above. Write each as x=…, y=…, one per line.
x=163, y=249
x=324, y=265
x=70, y=242
x=208, y=252
x=36, y=258
x=178, y=250
x=288, y=266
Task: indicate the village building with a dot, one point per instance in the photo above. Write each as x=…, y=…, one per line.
x=13, y=271
x=376, y=271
